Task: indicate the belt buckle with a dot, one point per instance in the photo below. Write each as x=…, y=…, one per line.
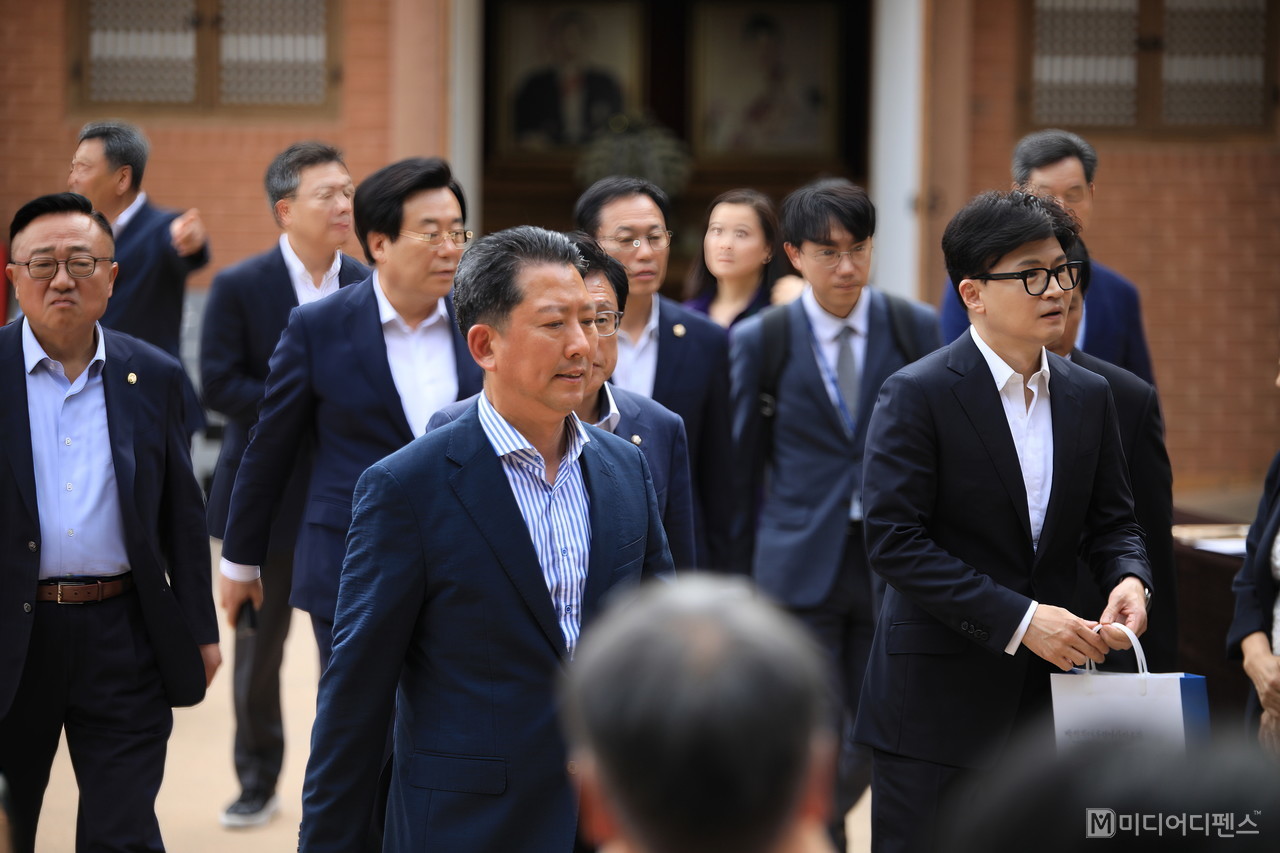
x=98, y=584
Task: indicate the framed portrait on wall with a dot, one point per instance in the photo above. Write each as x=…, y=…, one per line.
x=764, y=79
x=563, y=70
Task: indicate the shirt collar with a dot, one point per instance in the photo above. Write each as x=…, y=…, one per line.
x=608, y=416
x=507, y=440
x=126, y=215
x=298, y=270
x=34, y=355
x=388, y=314
x=827, y=326
x=1000, y=370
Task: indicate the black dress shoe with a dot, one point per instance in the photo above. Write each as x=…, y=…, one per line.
x=251, y=809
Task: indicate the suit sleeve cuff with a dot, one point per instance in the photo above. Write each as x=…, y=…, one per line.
x=1012, y=648
x=238, y=571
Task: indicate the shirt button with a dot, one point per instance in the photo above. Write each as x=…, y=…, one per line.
x=26, y=607
x=67, y=441
x=564, y=552
x=70, y=532
x=68, y=487
x=31, y=546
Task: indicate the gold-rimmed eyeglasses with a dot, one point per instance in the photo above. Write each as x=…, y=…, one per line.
x=437, y=238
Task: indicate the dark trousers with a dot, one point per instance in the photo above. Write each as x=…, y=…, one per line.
x=259, y=650
x=845, y=624
x=907, y=799
x=89, y=669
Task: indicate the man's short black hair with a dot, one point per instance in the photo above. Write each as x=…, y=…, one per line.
x=809, y=212
x=485, y=287
x=57, y=203
x=1080, y=252
x=598, y=260
x=123, y=144
x=285, y=172
x=701, y=704
x=1046, y=147
x=993, y=224
x=586, y=212
x=380, y=198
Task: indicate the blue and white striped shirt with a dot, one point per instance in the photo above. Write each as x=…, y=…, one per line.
x=557, y=516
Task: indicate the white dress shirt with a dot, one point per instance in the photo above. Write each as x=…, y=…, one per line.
x=608, y=416
x=126, y=215
x=81, y=525
x=303, y=286
x=422, y=360
x=557, y=516
x=638, y=360
x=1275, y=619
x=1031, y=426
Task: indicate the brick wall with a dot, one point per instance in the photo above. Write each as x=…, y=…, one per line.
x=212, y=163
x=1196, y=226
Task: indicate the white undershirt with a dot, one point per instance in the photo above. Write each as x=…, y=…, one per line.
x=1032, y=429
x=638, y=360
x=422, y=360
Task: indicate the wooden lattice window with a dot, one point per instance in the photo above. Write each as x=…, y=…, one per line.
x=201, y=55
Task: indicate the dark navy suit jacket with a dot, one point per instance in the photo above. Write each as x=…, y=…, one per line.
x=1142, y=437
x=329, y=385
x=1255, y=587
x=814, y=466
x=247, y=311
x=948, y=528
x=444, y=616
x=1112, y=326
x=692, y=380
x=160, y=503
x=659, y=433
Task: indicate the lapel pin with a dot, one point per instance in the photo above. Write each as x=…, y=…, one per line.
x=678, y=330
x=132, y=379
x=635, y=439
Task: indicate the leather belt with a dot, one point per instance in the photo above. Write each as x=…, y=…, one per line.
x=83, y=591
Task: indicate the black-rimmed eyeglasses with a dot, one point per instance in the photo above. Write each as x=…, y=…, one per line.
x=1036, y=279
x=78, y=266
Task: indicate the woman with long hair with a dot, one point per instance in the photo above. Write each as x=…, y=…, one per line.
x=741, y=257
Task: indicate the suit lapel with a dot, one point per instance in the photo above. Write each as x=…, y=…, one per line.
x=481, y=487
x=671, y=351
x=15, y=420
x=601, y=480
x=1064, y=407
x=976, y=392
x=122, y=399
x=278, y=295
x=365, y=333
x=879, y=361
x=808, y=379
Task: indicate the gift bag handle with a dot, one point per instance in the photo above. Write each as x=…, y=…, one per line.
x=1137, y=650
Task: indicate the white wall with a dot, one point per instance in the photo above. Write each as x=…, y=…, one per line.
x=466, y=96
x=897, y=73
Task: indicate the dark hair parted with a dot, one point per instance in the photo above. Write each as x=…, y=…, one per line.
x=809, y=212
x=700, y=280
x=993, y=224
x=285, y=172
x=701, y=703
x=485, y=287
x=586, y=212
x=1046, y=147
x=598, y=260
x=52, y=205
x=123, y=144
x=380, y=198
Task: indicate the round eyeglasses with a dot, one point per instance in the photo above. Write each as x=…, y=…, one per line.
x=657, y=240
x=78, y=266
x=1036, y=279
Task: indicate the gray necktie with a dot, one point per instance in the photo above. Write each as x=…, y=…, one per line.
x=847, y=372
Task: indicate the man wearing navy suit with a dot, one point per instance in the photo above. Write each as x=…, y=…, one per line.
x=990, y=466
x=477, y=554
x=357, y=375
x=310, y=194
x=656, y=430
x=805, y=548
x=108, y=617
x=1061, y=164
x=1142, y=438
x=156, y=249
x=666, y=352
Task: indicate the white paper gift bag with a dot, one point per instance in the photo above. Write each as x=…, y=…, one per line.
x=1156, y=710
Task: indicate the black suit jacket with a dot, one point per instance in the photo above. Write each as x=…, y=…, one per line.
x=247, y=311
x=1142, y=437
x=160, y=504
x=1255, y=586
x=948, y=528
